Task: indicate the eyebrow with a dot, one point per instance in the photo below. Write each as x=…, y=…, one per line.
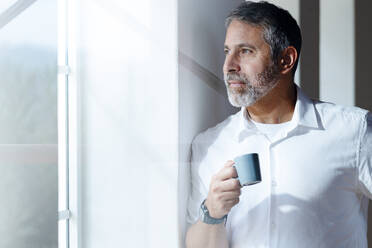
x=243, y=45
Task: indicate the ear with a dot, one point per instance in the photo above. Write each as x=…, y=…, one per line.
x=287, y=60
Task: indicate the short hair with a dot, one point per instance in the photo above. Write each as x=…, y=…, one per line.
x=280, y=29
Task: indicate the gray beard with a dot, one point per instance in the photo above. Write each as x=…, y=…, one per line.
x=249, y=94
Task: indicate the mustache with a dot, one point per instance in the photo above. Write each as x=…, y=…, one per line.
x=236, y=77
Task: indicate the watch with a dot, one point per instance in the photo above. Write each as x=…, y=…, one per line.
x=207, y=219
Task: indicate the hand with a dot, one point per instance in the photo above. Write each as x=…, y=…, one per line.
x=224, y=191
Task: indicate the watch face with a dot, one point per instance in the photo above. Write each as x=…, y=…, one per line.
x=203, y=211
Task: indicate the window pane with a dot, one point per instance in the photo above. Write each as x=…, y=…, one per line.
x=28, y=133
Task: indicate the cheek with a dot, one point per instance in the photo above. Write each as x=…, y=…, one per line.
x=252, y=68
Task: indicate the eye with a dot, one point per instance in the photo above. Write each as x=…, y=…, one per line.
x=246, y=50
x=226, y=51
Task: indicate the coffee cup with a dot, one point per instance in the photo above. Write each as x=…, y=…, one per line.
x=248, y=169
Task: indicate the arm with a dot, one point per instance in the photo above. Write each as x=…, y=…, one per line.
x=364, y=167
x=224, y=192
x=206, y=236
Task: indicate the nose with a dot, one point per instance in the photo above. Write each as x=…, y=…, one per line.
x=231, y=64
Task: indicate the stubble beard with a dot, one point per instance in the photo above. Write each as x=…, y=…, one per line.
x=254, y=89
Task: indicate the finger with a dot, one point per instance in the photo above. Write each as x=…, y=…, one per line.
x=233, y=201
x=229, y=204
x=226, y=172
x=228, y=196
x=230, y=185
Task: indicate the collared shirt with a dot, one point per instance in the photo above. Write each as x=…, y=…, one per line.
x=316, y=177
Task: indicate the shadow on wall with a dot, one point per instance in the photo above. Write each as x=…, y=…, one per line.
x=309, y=59
x=363, y=54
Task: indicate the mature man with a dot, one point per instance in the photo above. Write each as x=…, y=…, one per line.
x=316, y=157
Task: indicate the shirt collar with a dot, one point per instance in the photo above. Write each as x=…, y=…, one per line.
x=304, y=115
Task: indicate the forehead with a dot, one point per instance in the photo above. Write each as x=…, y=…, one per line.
x=239, y=32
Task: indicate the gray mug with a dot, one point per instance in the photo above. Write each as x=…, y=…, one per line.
x=248, y=169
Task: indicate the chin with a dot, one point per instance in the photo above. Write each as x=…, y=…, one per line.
x=240, y=101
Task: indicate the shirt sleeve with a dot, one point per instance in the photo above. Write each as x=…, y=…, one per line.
x=365, y=158
x=198, y=191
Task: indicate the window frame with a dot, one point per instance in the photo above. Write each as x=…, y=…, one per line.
x=68, y=166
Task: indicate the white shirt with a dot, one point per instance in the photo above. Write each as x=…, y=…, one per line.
x=270, y=130
x=316, y=177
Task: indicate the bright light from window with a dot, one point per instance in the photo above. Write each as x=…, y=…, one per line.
x=5, y=4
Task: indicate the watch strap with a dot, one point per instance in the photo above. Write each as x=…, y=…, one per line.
x=207, y=219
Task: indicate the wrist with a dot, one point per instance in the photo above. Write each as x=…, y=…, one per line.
x=207, y=218
x=210, y=210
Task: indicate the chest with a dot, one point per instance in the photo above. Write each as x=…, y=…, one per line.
x=305, y=166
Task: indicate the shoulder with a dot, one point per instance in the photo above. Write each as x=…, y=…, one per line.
x=348, y=115
x=220, y=131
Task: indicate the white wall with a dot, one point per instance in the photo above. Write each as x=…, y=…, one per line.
x=337, y=51
x=128, y=100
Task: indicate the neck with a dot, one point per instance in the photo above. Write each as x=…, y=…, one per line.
x=277, y=106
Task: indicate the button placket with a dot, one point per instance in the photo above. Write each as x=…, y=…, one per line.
x=273, y=224
x=273, y=185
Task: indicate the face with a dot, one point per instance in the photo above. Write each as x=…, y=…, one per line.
x=249, y=71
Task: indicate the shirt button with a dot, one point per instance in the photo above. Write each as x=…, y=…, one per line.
x=273, y=224
x=274, y=183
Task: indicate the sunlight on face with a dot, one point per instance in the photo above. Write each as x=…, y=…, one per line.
x=253, y=89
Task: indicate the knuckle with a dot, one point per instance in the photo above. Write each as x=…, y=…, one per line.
x=236, y=184
x=231, y=171
x=214, y=188
x=229, y=162
x=232, y=184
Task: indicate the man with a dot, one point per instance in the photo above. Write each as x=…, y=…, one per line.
x=315, y=157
